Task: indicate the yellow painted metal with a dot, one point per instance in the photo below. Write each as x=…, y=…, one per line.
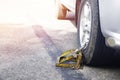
x=73, y=55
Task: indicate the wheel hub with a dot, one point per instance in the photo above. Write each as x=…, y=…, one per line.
x=85, y=25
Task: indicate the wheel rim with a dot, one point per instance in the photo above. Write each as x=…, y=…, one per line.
x=85, y=25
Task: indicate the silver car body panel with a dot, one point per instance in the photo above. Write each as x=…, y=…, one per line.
x=109, y=11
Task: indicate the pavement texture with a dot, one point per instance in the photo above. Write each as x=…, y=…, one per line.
x=31, y=39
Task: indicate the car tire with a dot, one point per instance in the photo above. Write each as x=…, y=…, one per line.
x=76, y=11
x=95, y=51
x=61, y=10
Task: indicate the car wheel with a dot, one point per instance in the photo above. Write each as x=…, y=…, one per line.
x=61, y=10
x=89, y=34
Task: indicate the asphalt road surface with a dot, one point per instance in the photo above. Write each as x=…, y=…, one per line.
x=31, y=39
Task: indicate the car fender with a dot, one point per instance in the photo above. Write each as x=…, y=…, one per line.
x=109, y=12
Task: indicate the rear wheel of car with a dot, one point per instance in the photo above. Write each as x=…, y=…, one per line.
x=89, y=34
x=61, y=10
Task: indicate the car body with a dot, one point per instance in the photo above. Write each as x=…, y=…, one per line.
x=108, y=21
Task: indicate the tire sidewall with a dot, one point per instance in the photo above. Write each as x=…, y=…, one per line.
x=77, y=10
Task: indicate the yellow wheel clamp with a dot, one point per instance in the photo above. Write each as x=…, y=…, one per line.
x=73, y=55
